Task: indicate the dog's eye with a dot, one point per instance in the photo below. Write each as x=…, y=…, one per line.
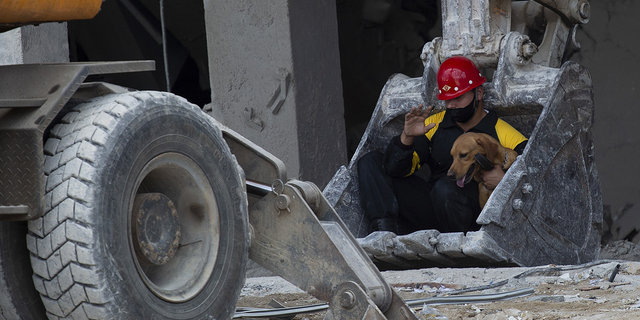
x=463, y=155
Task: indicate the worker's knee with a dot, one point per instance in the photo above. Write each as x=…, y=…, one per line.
x=455, y=208
x=370, y=162
x=445, y=189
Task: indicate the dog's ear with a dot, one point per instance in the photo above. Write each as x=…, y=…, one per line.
x=490, y=147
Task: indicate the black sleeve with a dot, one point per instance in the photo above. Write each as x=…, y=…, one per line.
x=401, y=160
x=520, y=147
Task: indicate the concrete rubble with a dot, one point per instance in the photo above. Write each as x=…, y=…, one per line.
x=572, y=291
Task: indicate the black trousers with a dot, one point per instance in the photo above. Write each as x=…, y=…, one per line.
x=415, y=203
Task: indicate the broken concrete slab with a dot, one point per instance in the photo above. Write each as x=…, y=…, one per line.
x=402, y=250
x=450, y=244
x=430, y=247
x=380, y=247
x=481, y=246
x=421, y=242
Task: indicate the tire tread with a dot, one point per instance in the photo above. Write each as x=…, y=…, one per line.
x=64, y=268
x=63, y=242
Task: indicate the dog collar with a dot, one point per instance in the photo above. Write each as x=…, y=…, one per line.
x=506, y=158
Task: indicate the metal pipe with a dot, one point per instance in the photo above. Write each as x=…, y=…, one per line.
x=270, y=313
x=490, y=297
x=489, y=286
x=33, y=11
x=614, y=273
x=553, y=270
x=164, y=47
x=280, y=312
x=140, y=17
x=257, y=188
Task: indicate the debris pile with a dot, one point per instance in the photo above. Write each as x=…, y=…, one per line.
x=606, y=289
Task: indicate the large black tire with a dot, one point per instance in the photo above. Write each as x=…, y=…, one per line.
x=18, y=298
x=97, y=160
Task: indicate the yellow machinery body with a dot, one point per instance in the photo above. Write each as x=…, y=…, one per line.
x=21, y=12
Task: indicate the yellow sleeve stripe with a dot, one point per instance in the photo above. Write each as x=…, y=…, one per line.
x=508, y=136
x=435, y=118
x=415, y=163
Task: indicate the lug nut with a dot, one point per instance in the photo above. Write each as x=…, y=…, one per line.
x=347, y=299
x=529, y=49
x=282, y=202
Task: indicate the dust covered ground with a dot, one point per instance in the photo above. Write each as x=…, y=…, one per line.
x=560, y=292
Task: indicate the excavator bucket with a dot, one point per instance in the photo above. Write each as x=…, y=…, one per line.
x=548, y=207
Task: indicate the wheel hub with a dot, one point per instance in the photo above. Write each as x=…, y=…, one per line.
x=157, y=228
x=174, y=227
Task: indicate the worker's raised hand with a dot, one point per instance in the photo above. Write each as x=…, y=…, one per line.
x=414, y=124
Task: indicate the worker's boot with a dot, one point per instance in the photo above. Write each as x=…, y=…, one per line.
x=383, y=224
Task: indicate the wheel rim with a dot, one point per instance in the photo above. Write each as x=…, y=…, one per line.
x=175, y=245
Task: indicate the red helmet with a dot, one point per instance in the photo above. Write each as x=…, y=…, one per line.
x=456, y=76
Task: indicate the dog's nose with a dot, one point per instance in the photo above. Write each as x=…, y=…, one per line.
x=449, y=173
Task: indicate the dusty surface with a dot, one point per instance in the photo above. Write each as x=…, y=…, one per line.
x=621, y=250
x=561, y=292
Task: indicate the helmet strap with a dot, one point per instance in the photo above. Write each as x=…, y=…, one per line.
x=475, y=100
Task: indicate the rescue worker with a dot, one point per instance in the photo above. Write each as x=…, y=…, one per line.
x=393, y=196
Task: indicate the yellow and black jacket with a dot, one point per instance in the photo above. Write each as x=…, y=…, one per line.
x=434, y=147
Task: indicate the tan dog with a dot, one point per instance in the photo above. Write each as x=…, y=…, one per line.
x=467, y=165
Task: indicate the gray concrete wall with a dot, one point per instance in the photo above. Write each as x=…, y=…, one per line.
x=35, y=44
x=259, y=48
x=610, y=50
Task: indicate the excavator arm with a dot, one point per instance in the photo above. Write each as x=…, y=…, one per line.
x=297, y=235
